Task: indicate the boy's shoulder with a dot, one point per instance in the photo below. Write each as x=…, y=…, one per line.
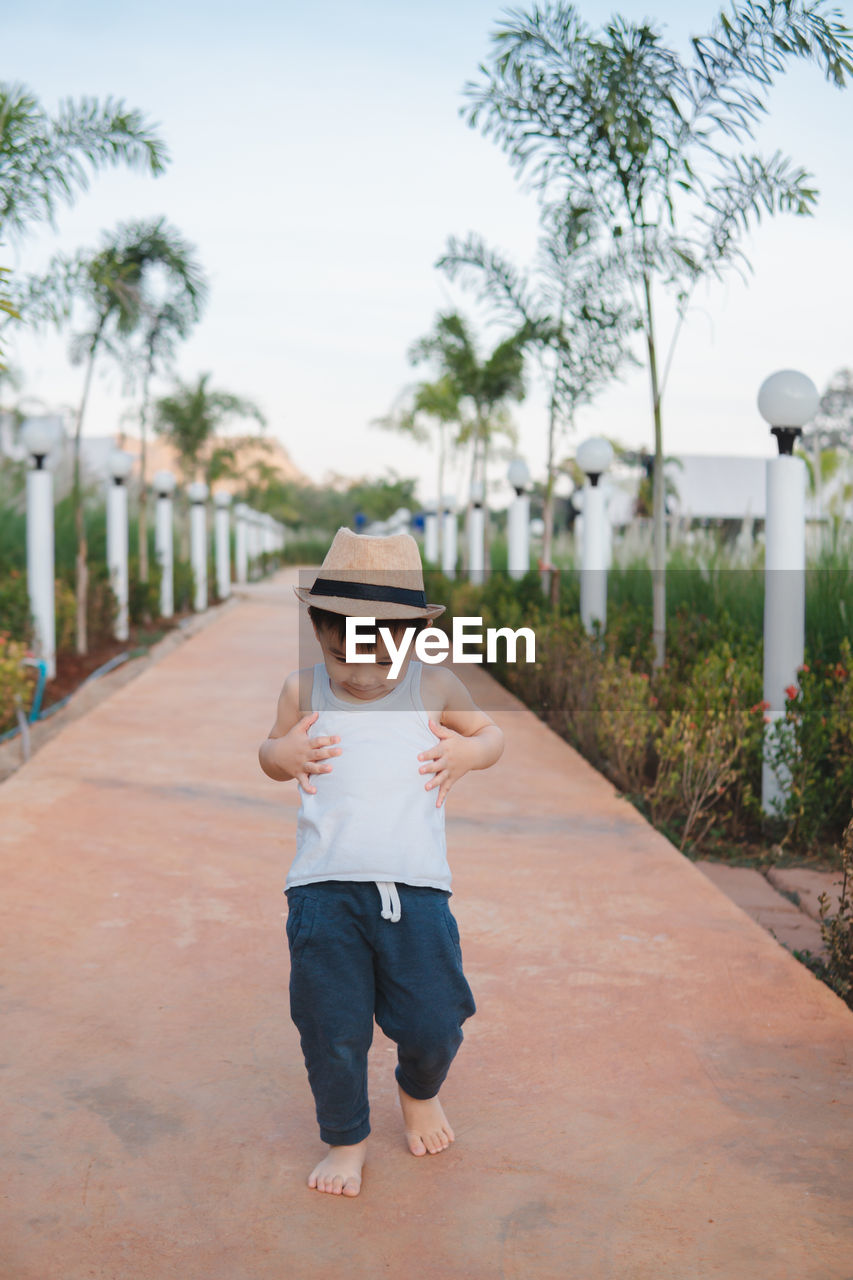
x=297, y=687
x=441, y=687
x=448, y=698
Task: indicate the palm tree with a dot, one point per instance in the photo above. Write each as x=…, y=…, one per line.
x=487, y=383
x=831, y=429
x=618, y=121
x=6, y=308
x=114, y=285
x=577, y=321
x=439, y=404
x=166, y=319
x=109, y=286
x=45, y=159
x=190, y=417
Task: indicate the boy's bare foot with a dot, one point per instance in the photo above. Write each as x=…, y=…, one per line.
x=340, y=1171
x=427, y=1127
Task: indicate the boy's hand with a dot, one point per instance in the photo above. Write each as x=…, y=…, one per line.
x=301, y=755
x=450, y=758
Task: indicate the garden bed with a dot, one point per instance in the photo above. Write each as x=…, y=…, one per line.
x=73, y=669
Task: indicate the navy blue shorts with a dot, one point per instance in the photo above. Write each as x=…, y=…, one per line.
x=347, y=966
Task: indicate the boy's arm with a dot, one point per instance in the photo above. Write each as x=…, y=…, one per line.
x=467, y=737
x=287, y=743
x=461, y=714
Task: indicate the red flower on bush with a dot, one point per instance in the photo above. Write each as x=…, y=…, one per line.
x=791, y=692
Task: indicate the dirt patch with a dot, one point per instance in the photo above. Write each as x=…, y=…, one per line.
x=73, y=668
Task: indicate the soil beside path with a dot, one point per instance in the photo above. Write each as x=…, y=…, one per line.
x=652, y=1088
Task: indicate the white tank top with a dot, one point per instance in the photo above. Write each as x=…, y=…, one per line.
x=371, y=817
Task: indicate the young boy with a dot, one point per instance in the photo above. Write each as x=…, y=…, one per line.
x=369, y=926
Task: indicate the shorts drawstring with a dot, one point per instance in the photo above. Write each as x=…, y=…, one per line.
x=391, y=909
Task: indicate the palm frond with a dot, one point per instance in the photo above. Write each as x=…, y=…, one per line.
x=46, y=160
x=748, y=186
x=749, y=46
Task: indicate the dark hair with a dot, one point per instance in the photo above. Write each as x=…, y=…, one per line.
x=334, y=625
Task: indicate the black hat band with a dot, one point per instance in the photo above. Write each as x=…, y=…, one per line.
x=368, y=591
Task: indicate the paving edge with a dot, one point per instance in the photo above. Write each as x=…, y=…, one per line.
x=93, y=692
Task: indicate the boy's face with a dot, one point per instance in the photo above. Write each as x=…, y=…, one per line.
x=363, y=681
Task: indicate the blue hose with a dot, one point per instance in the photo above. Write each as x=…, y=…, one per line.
x=36, y=712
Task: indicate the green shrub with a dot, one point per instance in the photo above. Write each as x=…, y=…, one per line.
x=143, y=598
x=686, y=742
x=813, y=747
x=17, y=681
x=15, y=619
x=625, y=723
x=701, y=743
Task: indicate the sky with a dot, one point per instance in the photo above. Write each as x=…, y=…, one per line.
x=319, y=165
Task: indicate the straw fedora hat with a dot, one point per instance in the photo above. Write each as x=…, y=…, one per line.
x=371, y=577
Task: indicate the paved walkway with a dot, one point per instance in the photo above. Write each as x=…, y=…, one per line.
x=653, y=1088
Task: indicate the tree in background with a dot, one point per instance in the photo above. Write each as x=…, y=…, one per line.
x=567, y=303
x=487, y=383
x=7, y=308
x=320, y=510
x=435, y=405
x=189, y=419
x=617, y=122
x=111, y=284
x=47, y=159
x=168, y=313
x=830, y=436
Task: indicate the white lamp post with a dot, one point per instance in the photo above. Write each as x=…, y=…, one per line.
x=120, y=466
x=197, y=494
x=38, y=438
x=257, y=541
x=476, y=535
x=164, y=485
x=448, y=536
x=252, y=542
x=241, y=542
x=431, y=542
x=267, y=533
x=223, y=544
x=787, y=400
x=594, y=456
x=518, y=520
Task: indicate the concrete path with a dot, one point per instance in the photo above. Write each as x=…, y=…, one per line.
x=653, y=1088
